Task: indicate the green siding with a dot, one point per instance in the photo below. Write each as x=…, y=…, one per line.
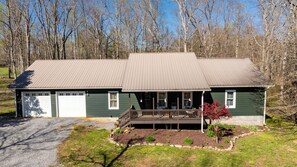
x=97, y=103
x=19, y=103
x=248, y=101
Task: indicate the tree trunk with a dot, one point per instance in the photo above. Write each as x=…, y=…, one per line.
x=28, y=42
x=283, y=75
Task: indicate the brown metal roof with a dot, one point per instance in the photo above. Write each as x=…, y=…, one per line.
x=163, y=72
x=232, y=73
x=68, y=74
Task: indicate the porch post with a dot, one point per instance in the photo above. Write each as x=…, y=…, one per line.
x=130, y=116
x=177, y=105
x=202, y=119
x=129, y=100
x=153, y=113
x=264, y=108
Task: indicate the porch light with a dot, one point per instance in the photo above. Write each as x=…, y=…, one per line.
x=190, y=99
x=165, y=100
x=140, y=100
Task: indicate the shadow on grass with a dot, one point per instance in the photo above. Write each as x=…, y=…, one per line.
x=105, y=162
x=117, y=157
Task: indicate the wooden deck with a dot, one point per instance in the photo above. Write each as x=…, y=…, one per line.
x=160, y=116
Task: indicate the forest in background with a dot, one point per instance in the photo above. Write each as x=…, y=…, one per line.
x=263, y=30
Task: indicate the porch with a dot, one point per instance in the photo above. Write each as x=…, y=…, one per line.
x=160, y=116
x=164, y=109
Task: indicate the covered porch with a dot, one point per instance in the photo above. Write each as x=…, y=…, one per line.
x=184, y=107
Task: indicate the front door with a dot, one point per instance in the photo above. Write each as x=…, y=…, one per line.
x=148, y=100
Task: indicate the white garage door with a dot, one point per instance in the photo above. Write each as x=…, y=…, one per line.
x=36, y=104
x=71, y=104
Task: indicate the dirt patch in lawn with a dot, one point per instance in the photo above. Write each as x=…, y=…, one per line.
x=176, y=137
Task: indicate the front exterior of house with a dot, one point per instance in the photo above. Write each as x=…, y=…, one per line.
x=155, y=82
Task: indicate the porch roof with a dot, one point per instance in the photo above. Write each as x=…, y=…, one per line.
x=163, y=72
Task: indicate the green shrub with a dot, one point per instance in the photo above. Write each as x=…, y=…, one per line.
x=210, y=127
x=221, y=126
x=221, y=133
x=226, y=141
x=150, y=139
x=188, y=141
x=210, y=133
x=225, y=126
x=119, y=131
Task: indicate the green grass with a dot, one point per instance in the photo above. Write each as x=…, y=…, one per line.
x=3, y=72
x=150, y=139
x=6, y=96
x=188, y=141
x=89, y=147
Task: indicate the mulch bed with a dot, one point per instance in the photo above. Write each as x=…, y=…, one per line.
x=177, y=137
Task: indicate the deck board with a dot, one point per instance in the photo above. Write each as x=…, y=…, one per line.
x=164, y=120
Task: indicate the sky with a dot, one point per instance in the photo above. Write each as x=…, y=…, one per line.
x=170, y=11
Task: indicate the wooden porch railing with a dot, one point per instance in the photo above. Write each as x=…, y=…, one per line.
x=124, y=118
x=165, y=113
x=159, y=115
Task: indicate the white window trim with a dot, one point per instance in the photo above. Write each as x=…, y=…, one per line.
x=183, y=98
x=166, y=97
x=234, y=98
x=113, y=108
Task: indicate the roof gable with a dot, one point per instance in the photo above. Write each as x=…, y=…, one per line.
x=163, y=72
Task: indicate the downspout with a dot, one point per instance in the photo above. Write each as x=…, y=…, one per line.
x=264, y=108
x=202, y=118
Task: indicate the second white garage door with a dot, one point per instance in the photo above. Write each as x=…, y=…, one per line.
x=71, y=104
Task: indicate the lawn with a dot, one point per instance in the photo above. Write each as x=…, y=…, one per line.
x=88, y=146
x=6, y=95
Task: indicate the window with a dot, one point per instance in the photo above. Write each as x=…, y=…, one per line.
x=187, y=99
x=230, y=98
x=162, y=99
x=113, y=100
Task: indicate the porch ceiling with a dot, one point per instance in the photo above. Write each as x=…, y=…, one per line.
x=147, y=72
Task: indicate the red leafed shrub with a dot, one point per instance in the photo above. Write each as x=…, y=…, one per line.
x=214, y=111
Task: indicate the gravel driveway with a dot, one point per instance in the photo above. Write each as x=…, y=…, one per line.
x=33, y=142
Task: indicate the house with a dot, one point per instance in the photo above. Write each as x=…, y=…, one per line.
x=161, y=87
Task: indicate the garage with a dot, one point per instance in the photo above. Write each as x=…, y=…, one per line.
x=71, y=104
x=36, y=104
